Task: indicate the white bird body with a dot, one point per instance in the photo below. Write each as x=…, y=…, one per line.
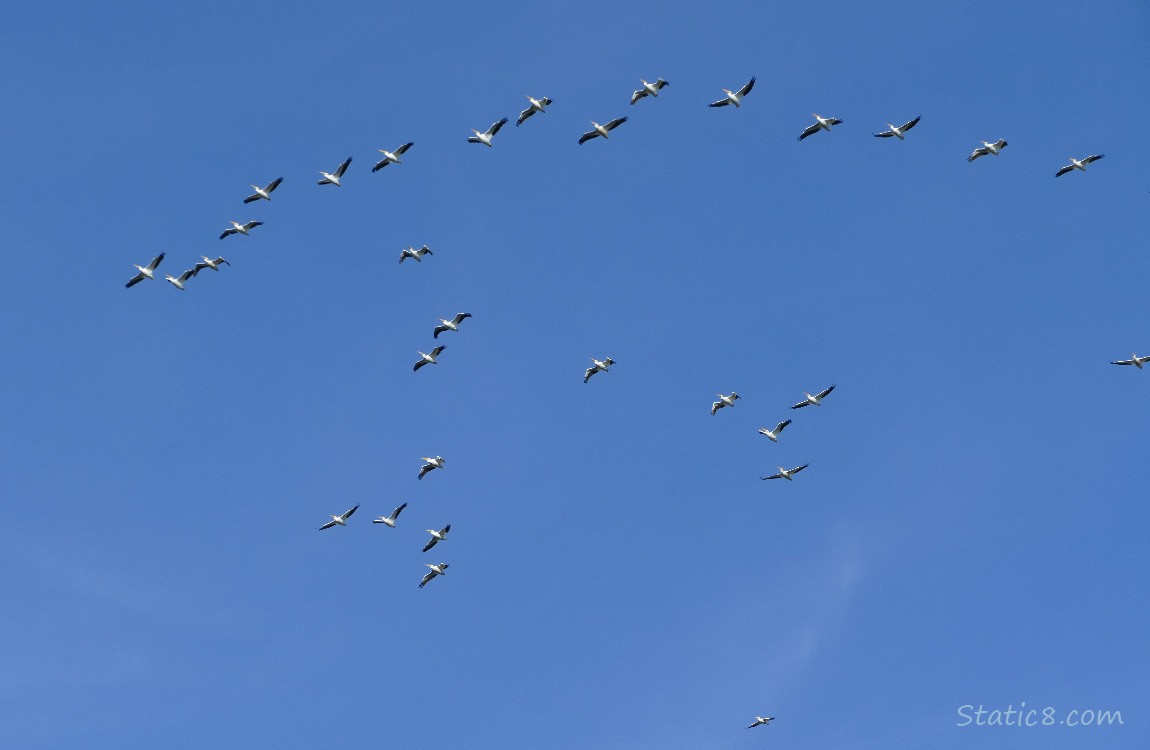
x=735, y=97
x=537, y=105
x=416, y=255
x=333, y=178
x=987, y=148
x=340, y=520
x=774, y=434
x=264, y=193
x=723, y=401
x=787, y=474
x=391, y=157
x=431, y=464
x=436, y=570
x=145, y=272
x=390, y=520
x=1134, y=360
x=485, y=138
x=429, y=359
x=597, y=366
x=649, y=89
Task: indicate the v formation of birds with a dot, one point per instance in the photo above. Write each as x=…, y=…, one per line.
x=653, y=90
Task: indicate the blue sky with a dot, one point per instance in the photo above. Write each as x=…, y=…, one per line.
x=971, y=530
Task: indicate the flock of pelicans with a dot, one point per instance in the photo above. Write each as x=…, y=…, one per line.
x=486, y=138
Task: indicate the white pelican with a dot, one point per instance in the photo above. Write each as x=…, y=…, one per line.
x=416, y=255
x=786, y=473
x=264, y=193
x=145, y=272
x=436, y=570
x=762, y=720
x=899, y=133
x=649, y=89
x=429, y=359
x=816, y=400
x=179, y=283
x=390, y=520
x=340, y=520
x=537, y=105
x=774, y=434
x=391, y=157
x=1079, y=164
x=485, y=138
x=209, y=263
x=333, y=178
x=735, y=97
x=821, y=123
x=450, y=325
x=238, y=228
x=1134, y=360
x=430, y=465
x=436, y=537
x=597, y=366
x=987, y=148
x=723, y=401
x=601, y=130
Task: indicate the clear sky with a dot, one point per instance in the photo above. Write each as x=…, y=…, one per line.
x=972, y=529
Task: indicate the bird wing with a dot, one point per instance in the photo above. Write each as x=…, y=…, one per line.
x=439, y=330
x=1093, y=158
x=226, y=232
x=273, y=185
x=437, y=350
x=615, y=123
x=381, y=164
x=252, y=225
x=828, y=390
x=885, y=134
x=1119, y=362
x=810, y=131
x=135, y=280
x=797, y=469
x=343, y=167
x=772, y=476
x=444, y=530
x=349, y=513
x=324, y=181
x=720, y=103
x=977, y=153
x=911, y=124
x=430, y=544
x=419, y=364
x=189, y=273
x=779, y=427
x=327, y=525
x=426, y=249
x=403, y=149
x=473, y=139
x=1001, y=143
x=156, y=262
x=460, y=317
x=638, y=95
x=395, y=513
x=834, y=121
x=661, y=83
x=199, y=267
x=801, y=404
x=524, y=115
x=495, y=128
x=588, y=136
x=253, y=197
x=1063, y=171
x=590, y=371
x=427, y=578
x=747, y=89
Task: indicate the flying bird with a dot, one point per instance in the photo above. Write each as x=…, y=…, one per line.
x=334, y=177
x=450, y=325
x=597, y=366
x=774, y=434
x=601, y=130
x=436, y=570
x=987, y=148
x=437, y=537
x=179, y=283
x=391, y=157
x=426, y=359
x=430, y=465
x=485, y=138
x=816, y=400
x=209, y=263
x=416, y=255
x=821, y=123
x=761, y=720
x=1079, y=164
x=735, y=97
x=145, y=272
x=649, y=89
x=899, y=133
x=238, y=228
x=537, y=105
x=786, y=473
x=390, y=520
x=339, y=520
x=264, y=193
x=723, y=401
x=1134, y=360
